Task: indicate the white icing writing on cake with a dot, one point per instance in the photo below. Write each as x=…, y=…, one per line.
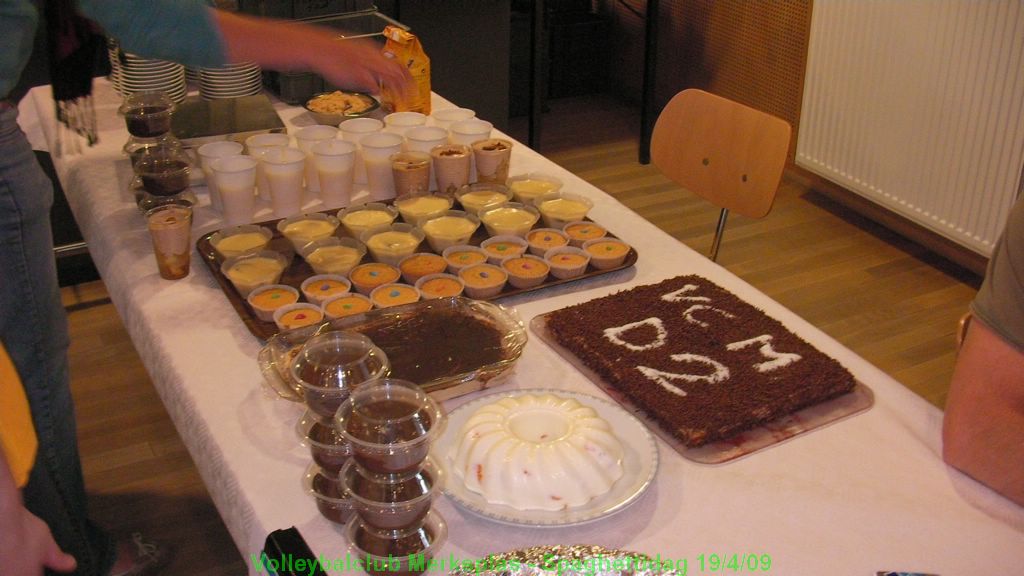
x=777, y=359
x=665, y=379
x=688, y=315
x=678, y=295
x=612, y=334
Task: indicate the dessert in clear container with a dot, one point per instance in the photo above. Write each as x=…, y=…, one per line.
x=298, y=315
x=393, y=243
x=390, y=424
x=440, y=285
x=510, y=218
x=502, y=246
x=476, y=197
x=463, y=255
x=606, y=253
x=543, y=239
x=451, y=167
x=305, y=228
x=238, y=240
x=416, y=266
x=362, y=217
x=492, y=157
x=526, y=271
x=404, y=552
x=366, y=277
x=416, y=210
x=560, y=208
x=333, y=255
x=527, y=187
x=483, y=280
x=250, y=271
x=583, y=230
x=266, y=300
x=394, y=294
x=330, y=365
x=330, y=498
x=346, y=305
x=392, y=501
x=567, y=261
x=321, y=287
x=449, y=229
x=326, y=446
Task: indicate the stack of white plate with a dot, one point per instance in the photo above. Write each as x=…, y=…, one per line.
x=130, y=74
x=231, y=81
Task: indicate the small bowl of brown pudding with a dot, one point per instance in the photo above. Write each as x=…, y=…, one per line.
x=391, y=501
x=333, y=108
x=329, y=450
x=330, y=498
x=404, y=552
x=390, y=424
x=147, y=114
x=164, y=170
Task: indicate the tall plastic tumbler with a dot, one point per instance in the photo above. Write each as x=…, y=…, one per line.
x=208, y=153
x=335, y=166
x=307, y=138
x=354, y=131
x=284, y=168
x=377, y=152
x=236, y=178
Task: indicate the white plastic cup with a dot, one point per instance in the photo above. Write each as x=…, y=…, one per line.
x=284, y=168
x=377, y=152
x=306, y=138
x=255, y=145
x=423, y=139
x=208, y=153
x=444, y=117
x=354, y=130
x=335, y=164
x=401, y=122
x=236, y=180
x=467, y=132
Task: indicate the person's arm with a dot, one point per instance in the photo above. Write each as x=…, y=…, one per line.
x=26, y=545
x=353, y=64
x=983, y=429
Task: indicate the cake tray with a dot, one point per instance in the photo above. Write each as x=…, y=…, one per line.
x=859, y=399
x=298, y=270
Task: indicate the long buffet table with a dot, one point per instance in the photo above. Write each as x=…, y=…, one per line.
x=866, y=494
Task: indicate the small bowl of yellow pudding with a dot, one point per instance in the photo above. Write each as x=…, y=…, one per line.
x=250, y=271
x=476, y=197
x=561, y=208
x=238, y=240
x=511, y=218
x=527, y=187
x=333, y=255
x=305, y=228
x=390, y=245
x=362, y=217
x=416, y=210
x=449, y=229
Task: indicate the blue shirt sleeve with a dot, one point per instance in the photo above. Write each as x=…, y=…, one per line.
x=180, y=30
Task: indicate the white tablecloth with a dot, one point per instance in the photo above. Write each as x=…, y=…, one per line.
x=866, y=494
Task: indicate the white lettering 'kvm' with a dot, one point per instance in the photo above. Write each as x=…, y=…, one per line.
x=666, y=380
x=777, y=359
x=614, y=334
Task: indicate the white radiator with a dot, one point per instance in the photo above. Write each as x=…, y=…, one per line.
x=918, y=105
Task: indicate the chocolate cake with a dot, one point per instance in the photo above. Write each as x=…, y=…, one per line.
x=696, y=358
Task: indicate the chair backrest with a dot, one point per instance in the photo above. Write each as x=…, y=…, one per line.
x=727, y=153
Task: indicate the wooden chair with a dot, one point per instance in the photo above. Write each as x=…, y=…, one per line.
x=728, y=154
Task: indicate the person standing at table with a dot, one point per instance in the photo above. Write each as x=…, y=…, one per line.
x=983, y=428
x=32, y=321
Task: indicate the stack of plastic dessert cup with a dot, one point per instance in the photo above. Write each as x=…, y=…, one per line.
x=390, y=480
x=327, y=368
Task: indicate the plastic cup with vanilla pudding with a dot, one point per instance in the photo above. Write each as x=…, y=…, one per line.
x=449, y=229
x=362, y=217
x=250, y=271
x=238, y=240
x=476, y=197
x=333, y=255
x=560, y=208
x=390, y=245
x=418, y=209
x=305, y=228
x=509, y=218
x=530, y=186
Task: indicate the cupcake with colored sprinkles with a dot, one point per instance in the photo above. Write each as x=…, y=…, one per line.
x=320, y=287
x=346, y=305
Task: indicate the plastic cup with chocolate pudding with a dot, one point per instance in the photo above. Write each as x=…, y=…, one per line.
x=403, y=552
x=391, y=424
x=164, y=172
x=147, y=114
x=411, y=172
x=392, y=501
x=325, y=488
x=326, y=446
x=330, y=365
x=492, y=157
x=452, y=163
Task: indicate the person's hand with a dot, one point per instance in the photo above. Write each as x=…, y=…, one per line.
x=27, y=547
x=360, y=65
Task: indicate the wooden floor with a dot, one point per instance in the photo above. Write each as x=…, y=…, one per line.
x=885, y=298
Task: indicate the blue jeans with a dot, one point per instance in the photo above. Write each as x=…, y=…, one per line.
x=33, y=328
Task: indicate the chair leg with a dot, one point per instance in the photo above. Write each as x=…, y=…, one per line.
x=719, y=230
